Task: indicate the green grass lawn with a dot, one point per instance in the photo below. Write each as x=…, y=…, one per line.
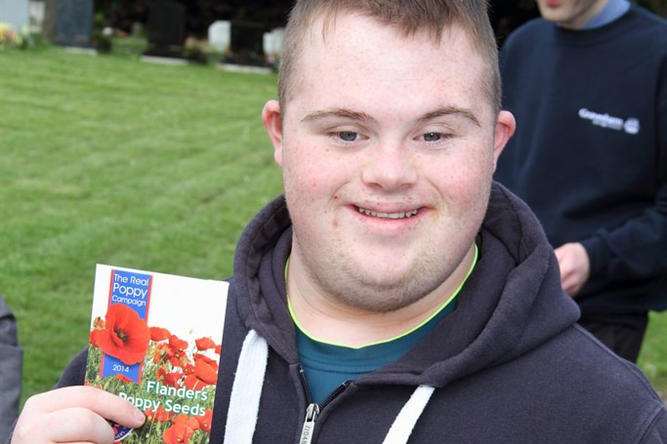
x=111, y=160
x=108, y=159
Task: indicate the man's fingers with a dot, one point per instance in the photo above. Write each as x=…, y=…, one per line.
x=78, y=424
x=103, y=403
x=571, y=283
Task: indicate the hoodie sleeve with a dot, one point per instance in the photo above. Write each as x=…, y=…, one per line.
x=75, y=372
x=637, y=248
x=657, y=432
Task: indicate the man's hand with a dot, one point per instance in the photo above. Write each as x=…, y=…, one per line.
x=575, y=267
x=73, y=414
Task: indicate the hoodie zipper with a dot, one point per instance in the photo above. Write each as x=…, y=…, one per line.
x=313, y=409
x=312, y=412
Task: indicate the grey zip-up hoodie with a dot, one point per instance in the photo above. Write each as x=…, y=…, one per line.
x=508, y=365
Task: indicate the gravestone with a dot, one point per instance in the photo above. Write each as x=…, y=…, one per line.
x=14, y=13
x=36, y=15
x=69, y=22
x=273, y=45
x=165, y=28
x=220, y=35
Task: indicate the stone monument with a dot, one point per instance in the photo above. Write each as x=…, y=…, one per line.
x=165, y=28
x=68, y=22
x=220, y=35
x=273, y=45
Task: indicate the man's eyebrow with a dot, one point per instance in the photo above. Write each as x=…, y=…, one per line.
x=450, y=110
x=363, y=117
x=340, y=113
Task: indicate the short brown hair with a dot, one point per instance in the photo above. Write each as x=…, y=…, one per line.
x=409, y=16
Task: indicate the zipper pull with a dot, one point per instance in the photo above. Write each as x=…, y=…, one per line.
x=309, y=424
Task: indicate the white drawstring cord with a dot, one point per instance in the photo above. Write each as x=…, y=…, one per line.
x=400, y=430
x=247, y=390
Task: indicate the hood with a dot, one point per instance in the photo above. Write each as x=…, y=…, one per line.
x=510, y=304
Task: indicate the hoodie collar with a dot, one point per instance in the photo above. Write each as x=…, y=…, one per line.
x=511, y=303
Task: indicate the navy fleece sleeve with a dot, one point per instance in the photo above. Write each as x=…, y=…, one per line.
x=75, y=372
x=637, y=248
x=10, y=371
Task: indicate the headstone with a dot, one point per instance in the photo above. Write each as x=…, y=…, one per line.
x=36, y=15
x=246, y=44
x=69, y=22
x=14, y=13
x=273, y=45
x=220, y=35
x=165, y=28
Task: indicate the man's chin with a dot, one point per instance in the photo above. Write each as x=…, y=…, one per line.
x=379, y=293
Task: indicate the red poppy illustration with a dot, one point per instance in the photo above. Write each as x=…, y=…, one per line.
x=160, y=352
x=202, y=357
x=204, y=343
x=178, y=360
x=125, y=335
x=159, y=334
x=205, y=420
x=206, y=369
x=95, y=337
x=122, y=378
x=162, y=415
x=193, y=383
x=218, y=349
x=177, y=343
x=169, y=378
x=182, y=428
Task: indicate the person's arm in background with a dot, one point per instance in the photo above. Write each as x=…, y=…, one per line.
x=11, y=360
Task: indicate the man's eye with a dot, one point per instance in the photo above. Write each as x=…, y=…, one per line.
x=433, y=137
x=347, y=136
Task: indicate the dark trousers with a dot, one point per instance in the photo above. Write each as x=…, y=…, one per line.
x=623, y=333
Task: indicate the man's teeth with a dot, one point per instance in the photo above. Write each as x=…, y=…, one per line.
x=400, y=215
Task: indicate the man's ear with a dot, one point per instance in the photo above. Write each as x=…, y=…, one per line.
x=273, y=123
x=505, y=126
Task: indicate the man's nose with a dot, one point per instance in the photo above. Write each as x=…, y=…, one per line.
x=389, y=167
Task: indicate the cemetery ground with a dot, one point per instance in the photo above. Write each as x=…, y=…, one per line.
x=109, y=159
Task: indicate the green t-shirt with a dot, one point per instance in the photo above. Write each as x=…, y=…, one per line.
x=326, y=366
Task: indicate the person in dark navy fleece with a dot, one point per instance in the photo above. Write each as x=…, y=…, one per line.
x=588, y=86
x=11, y=362
x=394, y=294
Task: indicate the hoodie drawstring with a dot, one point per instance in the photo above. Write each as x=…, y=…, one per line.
x=400, y=430
x=247, y=389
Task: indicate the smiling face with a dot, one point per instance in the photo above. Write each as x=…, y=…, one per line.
x=571, y=14
x=387, y=150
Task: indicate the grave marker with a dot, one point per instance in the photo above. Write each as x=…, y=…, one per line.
x=220, y=35
x=69, y=22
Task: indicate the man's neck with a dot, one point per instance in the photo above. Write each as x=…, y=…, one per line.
x=580, y=21
x=329, y=320
x=611, y=11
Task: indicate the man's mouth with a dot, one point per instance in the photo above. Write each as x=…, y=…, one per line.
x=395, y=215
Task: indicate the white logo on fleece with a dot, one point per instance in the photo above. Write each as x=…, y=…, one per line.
x=630, y=126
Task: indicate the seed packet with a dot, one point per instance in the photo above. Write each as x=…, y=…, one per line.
x=155, y=340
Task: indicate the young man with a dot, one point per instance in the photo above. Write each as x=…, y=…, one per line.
x=395, y=295
x=588, y=86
